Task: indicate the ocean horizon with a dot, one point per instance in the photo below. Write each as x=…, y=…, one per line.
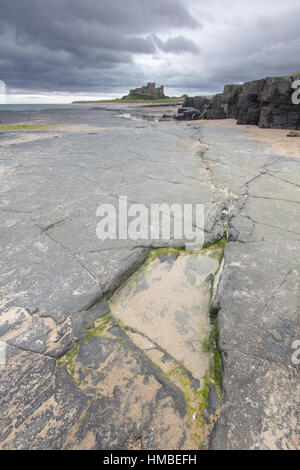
x=40, y=106
x=44, y=106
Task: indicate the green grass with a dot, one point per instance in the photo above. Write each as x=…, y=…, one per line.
x=174, y=100
x=134, y=97
x=25, y=127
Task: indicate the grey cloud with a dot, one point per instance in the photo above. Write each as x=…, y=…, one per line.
x=113, y=45
x=93, y=22
x=176, y=44
x=138, y=16
x=67, y=43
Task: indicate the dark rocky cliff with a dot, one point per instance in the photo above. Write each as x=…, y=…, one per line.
x=266, y=103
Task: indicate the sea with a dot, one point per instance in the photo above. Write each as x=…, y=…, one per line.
x=43, y=106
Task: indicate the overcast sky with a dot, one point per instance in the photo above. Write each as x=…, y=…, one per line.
x=101, y=48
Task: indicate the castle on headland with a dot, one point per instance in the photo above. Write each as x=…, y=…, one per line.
x=149, y=91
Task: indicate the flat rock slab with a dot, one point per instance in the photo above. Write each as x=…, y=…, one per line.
x=258, y=298
x=69, y=372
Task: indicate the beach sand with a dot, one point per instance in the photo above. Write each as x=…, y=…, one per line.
x=276, y=138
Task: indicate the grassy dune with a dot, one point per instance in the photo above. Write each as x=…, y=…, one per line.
x=137, y=101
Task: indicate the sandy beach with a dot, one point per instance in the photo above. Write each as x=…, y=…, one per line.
x=276, y=138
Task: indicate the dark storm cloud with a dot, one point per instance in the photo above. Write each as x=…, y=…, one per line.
x=108, y=46
x=73, y=44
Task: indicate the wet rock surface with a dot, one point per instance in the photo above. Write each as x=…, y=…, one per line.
x=73, y=378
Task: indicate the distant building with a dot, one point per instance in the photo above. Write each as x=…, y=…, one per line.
x=149, y=91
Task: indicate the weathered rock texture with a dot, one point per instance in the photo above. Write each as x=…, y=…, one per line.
x=72, y=378
x=188, y=114
x=266, y=103
x=65, y=351
x=257, y=300
x=224, y=105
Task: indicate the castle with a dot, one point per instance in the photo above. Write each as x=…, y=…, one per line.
x=149, y=91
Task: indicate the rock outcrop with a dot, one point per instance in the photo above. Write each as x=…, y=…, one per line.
x=266, y=103
x=188, y=114
x=193, y=108
x=224, y=105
